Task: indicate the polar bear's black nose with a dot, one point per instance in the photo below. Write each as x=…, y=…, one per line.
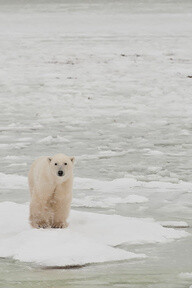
x=60, y=173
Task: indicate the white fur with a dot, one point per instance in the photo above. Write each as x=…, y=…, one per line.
x=51, y=194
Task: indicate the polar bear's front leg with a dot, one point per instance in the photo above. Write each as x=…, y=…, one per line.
x=61, y=213
x=62, y=204
x=41, y=214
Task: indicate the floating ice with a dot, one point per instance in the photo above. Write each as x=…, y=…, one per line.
x=89, y=238
x=14, y=157
x=101, y=193
x=20, y=127
x=153, y=152
x=135, y=199
x=186, y=275
x=102, y=155
x=18, y=164
x=14, y=146
x=123, y=184
x=106, y=186
x=174, y=224
x=12, y=181
x=104, y=202
x=51, y=139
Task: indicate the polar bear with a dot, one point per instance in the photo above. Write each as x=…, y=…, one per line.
x=50, y=182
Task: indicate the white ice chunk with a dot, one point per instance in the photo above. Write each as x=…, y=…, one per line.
x=13, y=181
x=174, y=224
x=51, y=139
x=135, y=199
x=14, y=157
x=104, y=202
x=107, y=186
x=89, y=238
x=102, y=155
x=123, y=184
x=18, y=164
x=186, y=275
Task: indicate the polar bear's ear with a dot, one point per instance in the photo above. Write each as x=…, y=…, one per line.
x=72, y=159
x=49, y=159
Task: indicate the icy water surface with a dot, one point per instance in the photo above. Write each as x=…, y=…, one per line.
x=110, y=83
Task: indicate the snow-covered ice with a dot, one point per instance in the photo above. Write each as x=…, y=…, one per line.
x=90, y=238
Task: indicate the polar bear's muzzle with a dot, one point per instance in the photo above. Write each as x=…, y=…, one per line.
x=60, y=173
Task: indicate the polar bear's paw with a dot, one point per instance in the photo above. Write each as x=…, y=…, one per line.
x=40, y=224
x=60, y=225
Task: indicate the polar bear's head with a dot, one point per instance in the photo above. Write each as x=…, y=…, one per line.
x=61, y=166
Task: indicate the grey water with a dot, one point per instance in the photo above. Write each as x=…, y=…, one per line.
x=110, y=83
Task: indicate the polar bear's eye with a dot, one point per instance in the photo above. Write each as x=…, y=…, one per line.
x=55, y=163
x=65, y=163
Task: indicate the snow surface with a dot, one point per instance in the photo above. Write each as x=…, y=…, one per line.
x=90, y=238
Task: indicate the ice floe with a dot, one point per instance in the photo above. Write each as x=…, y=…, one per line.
x=18, y=164
x=14, y=146
x=123, y=184
x=90, y=237
x=14, y=157
x=104, y=193
x=20, y=127
x=104, y=202
x=135, y=199
x=12, y=181
x=102, y=155
x=174, y=224
x=50, y=139
x=186, y=275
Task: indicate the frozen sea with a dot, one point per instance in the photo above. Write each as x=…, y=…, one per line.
x=109, y=82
